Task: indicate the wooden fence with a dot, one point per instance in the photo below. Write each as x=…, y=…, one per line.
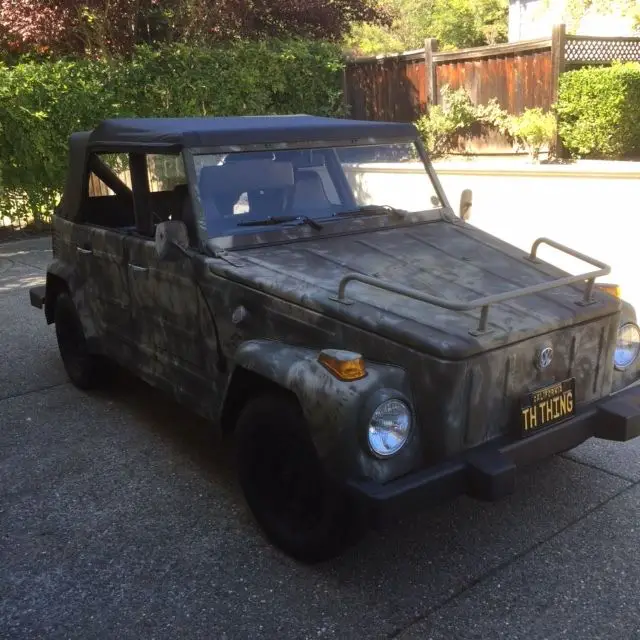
x=519, y=75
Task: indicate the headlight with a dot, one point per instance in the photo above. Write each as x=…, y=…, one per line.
x=389, y=427
x=627, y=346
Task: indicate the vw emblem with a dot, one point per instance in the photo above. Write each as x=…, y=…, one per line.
x=545, y=357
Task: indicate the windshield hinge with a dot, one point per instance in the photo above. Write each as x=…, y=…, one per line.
x=222, y=254
x=448, y=215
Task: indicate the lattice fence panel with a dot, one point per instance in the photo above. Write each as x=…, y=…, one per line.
x=605, y=50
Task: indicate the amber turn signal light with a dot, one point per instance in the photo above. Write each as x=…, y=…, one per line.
x=344, y=365
x=611, y=289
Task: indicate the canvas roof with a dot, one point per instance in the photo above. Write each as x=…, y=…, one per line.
x=239, y=130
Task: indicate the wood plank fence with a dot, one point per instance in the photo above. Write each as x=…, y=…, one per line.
x=519, y=75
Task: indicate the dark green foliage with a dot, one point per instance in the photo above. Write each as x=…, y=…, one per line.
x=598, y=111
x=90, y=27
x=42, y=103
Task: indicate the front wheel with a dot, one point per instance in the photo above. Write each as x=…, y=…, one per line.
x=83, y=368
x=300, y=510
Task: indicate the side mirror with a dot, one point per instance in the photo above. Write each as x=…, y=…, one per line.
x=172, y=240
x=466, y=201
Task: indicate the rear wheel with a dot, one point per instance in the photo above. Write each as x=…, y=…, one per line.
x=83, y=368
x=300, y=510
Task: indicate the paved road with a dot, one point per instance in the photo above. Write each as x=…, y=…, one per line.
x=120, y=518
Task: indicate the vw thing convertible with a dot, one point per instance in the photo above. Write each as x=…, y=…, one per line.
x=304, y=283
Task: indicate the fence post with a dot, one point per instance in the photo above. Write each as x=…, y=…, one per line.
x=345, y=93
x=558, y=44
x=430, y=47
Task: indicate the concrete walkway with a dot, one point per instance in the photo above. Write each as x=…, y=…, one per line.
x=594, y=208
x=120, y=518
x=511, y=166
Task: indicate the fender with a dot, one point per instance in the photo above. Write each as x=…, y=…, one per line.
x=336, y=411
x=57, y=270
x=622, y=379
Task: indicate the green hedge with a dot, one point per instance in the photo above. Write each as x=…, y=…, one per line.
x=598, y=111
x=41, y=103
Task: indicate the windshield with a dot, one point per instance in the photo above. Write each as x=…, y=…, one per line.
x=239, y=191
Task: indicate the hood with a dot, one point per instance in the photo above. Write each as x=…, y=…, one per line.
x=454, y=261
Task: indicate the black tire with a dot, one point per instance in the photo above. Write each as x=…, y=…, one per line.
x=83, y=368
x=299, y=509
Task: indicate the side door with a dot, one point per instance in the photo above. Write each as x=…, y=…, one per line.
x=166, y=304
x=105, y=219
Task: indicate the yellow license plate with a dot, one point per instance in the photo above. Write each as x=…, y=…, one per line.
x=548, y=406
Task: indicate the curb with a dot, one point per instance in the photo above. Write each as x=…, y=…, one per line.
x=609, y=171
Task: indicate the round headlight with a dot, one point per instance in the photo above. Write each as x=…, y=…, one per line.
x=627, y=346
x=389, y=427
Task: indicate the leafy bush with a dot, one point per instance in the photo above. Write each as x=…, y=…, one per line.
x=444, y=128
x=438, y=130
x=534, y=129
x=366, y=39
x=89, y=27
x=493, y=115
x=598, y=111
x=41, y=103
x=456, y=24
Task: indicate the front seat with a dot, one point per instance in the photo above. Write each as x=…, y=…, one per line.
x=266, y=202
x=309, y=194
x=182, y=209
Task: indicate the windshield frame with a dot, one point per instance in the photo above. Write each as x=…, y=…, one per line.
x=277, y=234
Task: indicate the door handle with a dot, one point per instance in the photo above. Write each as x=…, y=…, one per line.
x=137, y=268
x=83, y=251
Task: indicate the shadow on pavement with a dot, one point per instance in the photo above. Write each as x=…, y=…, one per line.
x=447, y=546
x=195, y=437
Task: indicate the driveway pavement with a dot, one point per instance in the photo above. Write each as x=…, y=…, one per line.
x=120, y=518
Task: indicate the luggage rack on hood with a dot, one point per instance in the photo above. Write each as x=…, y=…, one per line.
x=486, y=301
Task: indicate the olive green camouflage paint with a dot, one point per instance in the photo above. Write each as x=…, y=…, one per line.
x=464, y=389
x=335, y=409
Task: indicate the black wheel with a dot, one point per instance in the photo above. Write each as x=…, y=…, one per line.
x=83, y=368
x=299, y=509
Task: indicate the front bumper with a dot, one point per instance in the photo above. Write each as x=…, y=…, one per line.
x=488, y=472
x=37, y=296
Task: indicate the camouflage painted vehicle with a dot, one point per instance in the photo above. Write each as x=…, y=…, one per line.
x=305, y=284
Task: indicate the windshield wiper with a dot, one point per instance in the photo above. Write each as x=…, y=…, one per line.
x=281, y=220
x=373, y=208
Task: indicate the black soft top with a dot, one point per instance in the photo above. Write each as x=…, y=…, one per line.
x=238, y=130
x=146, y=134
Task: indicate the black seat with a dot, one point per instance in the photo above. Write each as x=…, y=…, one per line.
x=265, y=182
x=266, y=202
x=180, y=194
x=309, y=194
x=182, y=209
